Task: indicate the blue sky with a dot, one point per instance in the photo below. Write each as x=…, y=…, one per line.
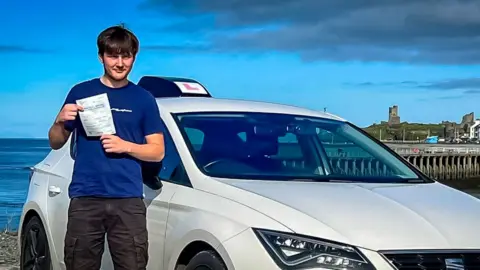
x=354, y=60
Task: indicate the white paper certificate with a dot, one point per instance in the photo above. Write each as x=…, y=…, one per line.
x=96, y=117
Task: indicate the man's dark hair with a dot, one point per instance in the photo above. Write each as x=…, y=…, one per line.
x=117, y=40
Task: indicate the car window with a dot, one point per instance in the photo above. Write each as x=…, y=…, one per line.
x=287, y=147
x=346, y=157
x=289, y=150
x=172, y=167
x=195, y=136
x=169, y=169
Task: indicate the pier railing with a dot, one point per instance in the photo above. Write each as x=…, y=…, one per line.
x=438, y=166
x=435, y=150
x=438, y=162
x=447, y=166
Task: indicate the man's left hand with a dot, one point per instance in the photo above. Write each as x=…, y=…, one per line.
x=114, y=144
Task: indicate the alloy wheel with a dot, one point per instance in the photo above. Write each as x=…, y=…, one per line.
x=35, y=249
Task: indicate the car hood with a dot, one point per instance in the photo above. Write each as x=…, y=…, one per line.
x=378, y=216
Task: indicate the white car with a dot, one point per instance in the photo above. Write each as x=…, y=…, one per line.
x=251, y=185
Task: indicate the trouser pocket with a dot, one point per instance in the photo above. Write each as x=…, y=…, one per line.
x=85, y=235
x=83, y=252
x=141, y=249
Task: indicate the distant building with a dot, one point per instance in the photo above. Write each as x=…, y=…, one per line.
x=467, y=129
x=393, y=117
x=475, y=130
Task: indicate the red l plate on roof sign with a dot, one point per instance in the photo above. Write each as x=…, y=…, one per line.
x=191, y=88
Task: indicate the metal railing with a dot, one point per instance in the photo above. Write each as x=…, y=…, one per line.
x=435, y=150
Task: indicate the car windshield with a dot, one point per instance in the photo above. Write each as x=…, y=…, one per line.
x=268, y=146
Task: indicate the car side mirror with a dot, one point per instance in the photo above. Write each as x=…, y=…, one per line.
x=156, y=183
x=150, y=171
x=153, y=182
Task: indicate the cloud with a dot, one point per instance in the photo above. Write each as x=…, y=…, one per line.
x=377, y=84
x=403, y=31
x=460, y=86
x=451, y=97
x=471, y=85
x=19, y=49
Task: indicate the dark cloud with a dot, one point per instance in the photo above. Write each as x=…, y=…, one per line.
x=471, y=84
x=450, y=84
x=461, y=86
x=19, y=49
x=406, y=31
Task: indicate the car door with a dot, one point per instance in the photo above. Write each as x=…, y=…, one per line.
x=57, y=204
x=59, y=201
x=160, y=184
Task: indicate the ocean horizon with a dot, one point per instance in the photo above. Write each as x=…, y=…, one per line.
x=17, y=155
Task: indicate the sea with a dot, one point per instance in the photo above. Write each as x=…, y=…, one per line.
x=16, y=156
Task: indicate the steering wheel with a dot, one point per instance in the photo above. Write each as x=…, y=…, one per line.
x=228, y=161
x=211, y=163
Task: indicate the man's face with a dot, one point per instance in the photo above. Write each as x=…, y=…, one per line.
x=117, y=66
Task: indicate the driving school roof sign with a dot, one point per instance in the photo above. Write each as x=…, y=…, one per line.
x=162, y=87
x=191, y=88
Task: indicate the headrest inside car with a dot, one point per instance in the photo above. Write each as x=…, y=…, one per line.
x=262, y=145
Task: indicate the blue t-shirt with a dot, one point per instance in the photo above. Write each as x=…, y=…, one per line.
x=100, y=174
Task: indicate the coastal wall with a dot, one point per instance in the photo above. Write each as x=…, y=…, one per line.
x=441, y=162
x=447, y=166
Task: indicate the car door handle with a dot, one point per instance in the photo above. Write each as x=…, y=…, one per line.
x=54, y=190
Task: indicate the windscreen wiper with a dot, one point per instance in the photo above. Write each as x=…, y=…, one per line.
x=323, y=179
x=326, y=179
x=310, y=179
x=411, y=180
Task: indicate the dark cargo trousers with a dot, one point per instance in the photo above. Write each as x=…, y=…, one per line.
x=124, y=223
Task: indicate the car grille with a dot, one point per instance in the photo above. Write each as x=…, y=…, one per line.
x=434, y=261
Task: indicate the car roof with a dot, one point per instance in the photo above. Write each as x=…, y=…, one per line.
x=210, y=104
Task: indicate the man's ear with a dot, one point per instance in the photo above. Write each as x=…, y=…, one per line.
x=100, y=58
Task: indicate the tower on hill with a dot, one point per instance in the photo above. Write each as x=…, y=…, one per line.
x=393, y=117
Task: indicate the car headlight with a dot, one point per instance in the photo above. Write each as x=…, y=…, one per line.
x=292, y=251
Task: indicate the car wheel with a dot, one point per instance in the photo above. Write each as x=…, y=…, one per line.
x=206, y=260
x=35, y=252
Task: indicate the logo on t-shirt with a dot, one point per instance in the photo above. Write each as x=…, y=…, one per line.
x=121, y=110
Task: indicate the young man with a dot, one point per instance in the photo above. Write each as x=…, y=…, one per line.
x=106, y=190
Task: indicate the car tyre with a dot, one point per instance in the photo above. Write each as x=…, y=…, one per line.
x=35, y=252
x=206, y=260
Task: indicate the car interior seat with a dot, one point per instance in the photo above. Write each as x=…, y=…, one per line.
x=261, y=149
x=221, y=145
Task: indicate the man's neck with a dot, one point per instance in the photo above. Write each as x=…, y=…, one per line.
x=112, y=83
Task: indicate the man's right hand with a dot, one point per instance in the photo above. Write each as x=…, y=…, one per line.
x=68, y=112
x=57, y=134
